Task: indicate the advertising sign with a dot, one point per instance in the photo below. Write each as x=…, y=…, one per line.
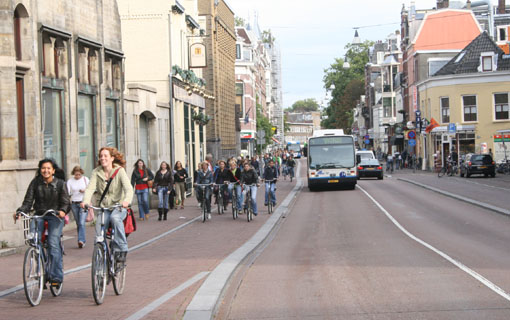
x=197, y=56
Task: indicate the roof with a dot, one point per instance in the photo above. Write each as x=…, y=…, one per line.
x=241, y=32
x=468, y=60
x=446, y=30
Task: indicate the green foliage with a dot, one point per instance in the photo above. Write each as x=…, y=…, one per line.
x=306, y=105
x=267, y=36
x=264, y=124
x=349, y=86
x=239, y=22
x=286, y=127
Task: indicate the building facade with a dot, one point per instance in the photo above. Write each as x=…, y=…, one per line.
x=301, y=126
x=223, y=131
x=61, y=80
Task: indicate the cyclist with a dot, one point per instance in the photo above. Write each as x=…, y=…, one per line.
x=205, y=176
x=250, y=177
x=234, y=176
x=220, y=177
x=46, y=192
x=270, y=173
x=111, y=162
x=291, y=163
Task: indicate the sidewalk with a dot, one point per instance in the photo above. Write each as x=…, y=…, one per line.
x=477, y=189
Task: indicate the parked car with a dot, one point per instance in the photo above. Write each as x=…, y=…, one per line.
x=478, y=164
x=370, y=168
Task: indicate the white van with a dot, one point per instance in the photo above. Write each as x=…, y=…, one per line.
x=365, y=154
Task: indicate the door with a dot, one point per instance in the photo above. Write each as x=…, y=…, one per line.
x=144, y=139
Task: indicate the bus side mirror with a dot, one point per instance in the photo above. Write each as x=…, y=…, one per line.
x=358, y=159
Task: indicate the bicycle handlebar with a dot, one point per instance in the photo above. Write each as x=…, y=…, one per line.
x=115, y=206
x=53, y=212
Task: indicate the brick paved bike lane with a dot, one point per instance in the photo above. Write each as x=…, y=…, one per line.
x=152, y=270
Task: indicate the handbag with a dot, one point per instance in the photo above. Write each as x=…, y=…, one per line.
x=90, y=215
x=129, y=222
x=150, y=183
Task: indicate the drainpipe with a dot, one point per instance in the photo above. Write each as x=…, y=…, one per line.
x=170, y=94
x=488, y=3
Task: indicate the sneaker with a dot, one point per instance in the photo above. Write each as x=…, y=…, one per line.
x=121, y=256
x=255, y=214
x=81, y=244
x=208, y=216
x=265, y=204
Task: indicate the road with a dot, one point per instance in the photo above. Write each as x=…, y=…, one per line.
x=339, y=256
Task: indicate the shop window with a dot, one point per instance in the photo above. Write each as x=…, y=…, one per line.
x=501, y=106
x=470, y=108
x=445, y=110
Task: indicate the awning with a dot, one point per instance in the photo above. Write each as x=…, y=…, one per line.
x=274, y=139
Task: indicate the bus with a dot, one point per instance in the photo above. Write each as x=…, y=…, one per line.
x=331, y=159
x=294, y=148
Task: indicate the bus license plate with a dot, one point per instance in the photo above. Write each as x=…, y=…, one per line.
x=333, y=181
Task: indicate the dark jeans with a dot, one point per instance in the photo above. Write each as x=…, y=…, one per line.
x=200, y=195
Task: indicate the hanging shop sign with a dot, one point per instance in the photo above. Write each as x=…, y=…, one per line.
x=197, y=56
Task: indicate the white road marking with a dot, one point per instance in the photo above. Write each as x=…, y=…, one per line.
x=458, y=264
x=167, y=296
x=86, y=266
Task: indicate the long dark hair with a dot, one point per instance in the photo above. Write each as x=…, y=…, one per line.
x=175, y=166
x=136, y=164
x=59, y=173
x=167, y=166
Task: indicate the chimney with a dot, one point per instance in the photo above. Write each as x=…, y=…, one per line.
x=468, y=4
x=443, y=4
x=501, y=7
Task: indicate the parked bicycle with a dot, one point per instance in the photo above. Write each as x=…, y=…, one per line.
x=504, y=167
x=204, y=199
x=105, y=267
x=36, y=264
x=248, y=206
x=450, y=169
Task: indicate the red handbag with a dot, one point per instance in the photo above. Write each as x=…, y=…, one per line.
x=129, y=222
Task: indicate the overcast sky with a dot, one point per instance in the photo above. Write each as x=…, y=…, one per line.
x=312, y=33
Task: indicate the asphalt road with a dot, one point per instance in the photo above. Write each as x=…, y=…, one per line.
x=339, y=256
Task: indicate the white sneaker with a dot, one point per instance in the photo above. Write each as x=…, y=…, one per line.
x=208, y=216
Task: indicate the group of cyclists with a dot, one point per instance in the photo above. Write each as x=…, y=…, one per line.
x=48, y=192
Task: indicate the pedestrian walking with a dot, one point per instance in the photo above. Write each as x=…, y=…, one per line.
x=180, y=175
x=163, y=184
x=76, y=188
x=389, y=163
x=142, y=180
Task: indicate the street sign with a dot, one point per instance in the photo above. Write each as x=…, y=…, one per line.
x=261, y=134
x=411, y=135
x=412, y=142
x=452, y=128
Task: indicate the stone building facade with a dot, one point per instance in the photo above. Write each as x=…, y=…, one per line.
x=223, y=132
x=61, y=79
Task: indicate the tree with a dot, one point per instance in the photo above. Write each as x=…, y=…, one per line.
x=239, y=22
x=306, y=105
x=349, y=85
x=267, y=36
x=263, y=124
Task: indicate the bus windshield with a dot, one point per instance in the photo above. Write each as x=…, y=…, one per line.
x=294, y=147
x=331, y=156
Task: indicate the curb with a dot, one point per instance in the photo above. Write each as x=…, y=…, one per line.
x=461, y=198
x=10, y=251
x=205, y=302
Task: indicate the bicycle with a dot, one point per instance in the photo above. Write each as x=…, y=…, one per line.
x=36, y=264
x=248, y=207
x=220, y=198
x=291, y=173
x=105, y=268
x=504, y=167
x=235, y=211
x=203, y=200
x=450, y=169
x=271, y=196
x=285, y=172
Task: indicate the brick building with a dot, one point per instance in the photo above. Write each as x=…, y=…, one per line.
x=223, y=131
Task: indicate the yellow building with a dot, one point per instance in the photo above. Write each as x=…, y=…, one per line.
x=469, y=98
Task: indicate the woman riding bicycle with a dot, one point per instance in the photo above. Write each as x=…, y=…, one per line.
x=251, y=179
x=270, y=176
x=47, y=192
x=234, y=177
x=205, y=176
x=120, y=191
x=220, y=177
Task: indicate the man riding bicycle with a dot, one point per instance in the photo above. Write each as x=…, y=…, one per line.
x=270, y=176
x=291, y=163
x=251, y=179
x=205, y=176
x=111, y=164
x=47, y=192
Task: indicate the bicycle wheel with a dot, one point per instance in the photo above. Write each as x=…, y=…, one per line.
x=33, y=276
x=248, y=208
x=119, y=280
x=441, y=172
x=204, y=211
x=99, y=273
x=220, y=202
x=270, y=207
x=234, y=207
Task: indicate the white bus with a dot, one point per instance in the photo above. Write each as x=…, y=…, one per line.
x=331, y=159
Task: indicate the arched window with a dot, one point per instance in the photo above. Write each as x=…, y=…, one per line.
x=20, y=13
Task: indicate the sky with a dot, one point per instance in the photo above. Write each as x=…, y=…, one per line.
x=312, y=33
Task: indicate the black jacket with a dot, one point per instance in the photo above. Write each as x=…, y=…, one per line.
x=182, y=172
x=136, y=178
x=163, y=180
x=236, y=178
x=270, y=173
x=221, y=176
x=43, y=196
x=249, y=177
x=291, y=163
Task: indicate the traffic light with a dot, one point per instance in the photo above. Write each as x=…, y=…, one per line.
x=274, y=130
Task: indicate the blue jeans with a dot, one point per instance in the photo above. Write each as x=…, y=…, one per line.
x=143, y=202
x=79, y=216
x=239, y=195
x=163, y=197
x=270, y=186
x=253, y=198
x=116, y=218
x=55, y=226
x=291, y=171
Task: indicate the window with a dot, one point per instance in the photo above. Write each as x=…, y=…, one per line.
x=436, y=64
x=469, y=105
x=22, y=146
x=486, y=63
x=238, y=51
x=86, y=132
x=501, y=106
x=17, y=34
x=112, y=126
x=51, y=125
x=502, y=33
x=387, y=106
x=445, y=110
